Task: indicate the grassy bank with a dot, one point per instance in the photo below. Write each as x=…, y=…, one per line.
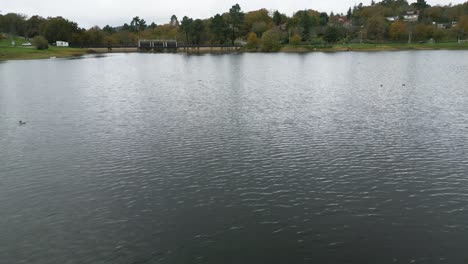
x=29, y=53
x=375, y=47
x=6, y=40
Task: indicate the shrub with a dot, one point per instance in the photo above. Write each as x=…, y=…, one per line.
x=398, y=30
x=41, y=43
x=252, y=41
x=331, y=35
x=271, y=40
x=296, y=39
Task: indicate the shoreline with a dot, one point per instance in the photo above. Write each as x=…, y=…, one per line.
x=376, y=47
x=22, y=53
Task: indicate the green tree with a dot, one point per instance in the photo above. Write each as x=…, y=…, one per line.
x=163, y=32
x=95, y=36
x=305, y=20
x=134, y=24
x=58, y=28
x=271, y=40
x=421, y=4
x=462, y=26
x=197, y=31
x=441, y=34
x=323, y=19
x=332, y=35
x=143, y=25
x=437, y=14
x=80, y=38
x=260, y=27
x=125, y=27
x=349, y=14
x=376, y=28
x=174, y=21
x=219, y=29
x=33, y=26
x=252, y=41
x=423, y=32
x=236, y=18
x=125, y=38
x=137, y=24
x=277, y=18
x=108, y=29
x=398, y=30
x=13, y=24
x=258, y=21
x=186, y=27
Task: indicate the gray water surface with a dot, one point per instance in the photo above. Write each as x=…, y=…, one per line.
x=252, y=158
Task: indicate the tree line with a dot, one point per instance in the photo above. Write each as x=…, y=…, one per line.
x=384, y=21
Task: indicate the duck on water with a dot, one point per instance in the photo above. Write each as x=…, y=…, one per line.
x=22, y=122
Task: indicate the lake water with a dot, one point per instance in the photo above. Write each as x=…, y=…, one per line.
x=253, y=158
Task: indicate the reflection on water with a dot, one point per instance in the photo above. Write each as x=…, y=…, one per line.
x=253, y=158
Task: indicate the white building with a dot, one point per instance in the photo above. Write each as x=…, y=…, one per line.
x=61, y=43
x=411, y=16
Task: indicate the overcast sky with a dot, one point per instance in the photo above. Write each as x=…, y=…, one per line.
x=88, y=13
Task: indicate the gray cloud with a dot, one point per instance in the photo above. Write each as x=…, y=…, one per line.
x=116, y=12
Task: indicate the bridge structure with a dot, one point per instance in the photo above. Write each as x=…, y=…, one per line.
x=171, y=45
x=157, y=44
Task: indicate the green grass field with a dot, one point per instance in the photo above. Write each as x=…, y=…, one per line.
x=8, y=52
x=28, y=53
x=6, y=41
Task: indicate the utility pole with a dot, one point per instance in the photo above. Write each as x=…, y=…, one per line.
x=410, y=33
x=362, y=27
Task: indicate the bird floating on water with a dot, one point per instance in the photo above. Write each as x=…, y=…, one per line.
x=22, y=122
